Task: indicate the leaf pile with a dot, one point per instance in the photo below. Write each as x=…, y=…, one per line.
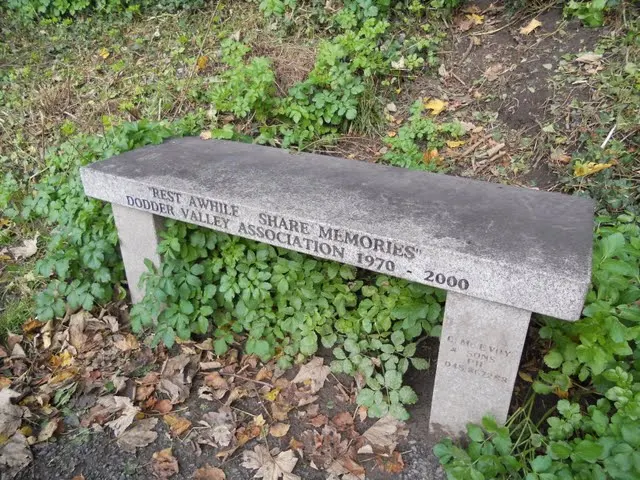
x=90, y=372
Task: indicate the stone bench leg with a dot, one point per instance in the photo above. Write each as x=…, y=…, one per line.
x=138, y=233
x=480, y=349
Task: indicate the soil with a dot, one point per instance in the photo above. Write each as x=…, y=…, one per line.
x=504, y=81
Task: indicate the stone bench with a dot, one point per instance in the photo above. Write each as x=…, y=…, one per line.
x=501, y=252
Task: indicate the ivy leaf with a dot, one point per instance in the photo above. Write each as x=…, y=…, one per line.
x=541, y=464
x=397, y=338
x=420, y=363
x=283, y=286
x=220, y=347
x=559, y=450
x=378, y=410
x=553, y=359
x=309, y=344
x=365, y=397
x=392, y=379
x=475, y=432
x=399, y=412
x=409, y=350
x=588, y=451
x=169, y=337
x=407, y=395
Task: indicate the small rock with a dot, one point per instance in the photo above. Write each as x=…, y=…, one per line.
x=391, y=107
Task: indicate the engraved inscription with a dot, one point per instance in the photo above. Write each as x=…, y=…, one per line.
x=343, y=245
x=480, y=359
x=450, y=281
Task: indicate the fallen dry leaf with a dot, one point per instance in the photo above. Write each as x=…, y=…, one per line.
x=222, y=426
x=129, y=412
x=392, y=464
x=201, y=63
x=342, y=421
x=558, y=156
x=77, y=324
x=10, y=414
x=47, y=431
x=209, y=473
x=163, y=406
x=314, y=373
x=384, y=435
x=589, y=57
x=493, y=72
x=126, y=342
x=28, y=248
x=272, y=394
x=139, y=435
x=177, y=425
x=164, y=464
x=476, y=19
x=525, y=376
x=346, y=469
x=319, y=420
x=31, y=326
x=268, y=467
x=15, y=454
x=177, y=376
x=104, y=53
x=464, y=24
x=279, y=430
x=588, y=168
x=431, y=156
x=435, y=105
x=455, y=143
x=530, y=27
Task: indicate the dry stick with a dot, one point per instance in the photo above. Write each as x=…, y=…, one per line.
x=470, y=150
x=492, y=151
x=496, y=157
x=458, y=78
x=467, y=51
x=340, y=385
x=246, y=379
x=261, y=403
x=485, y=163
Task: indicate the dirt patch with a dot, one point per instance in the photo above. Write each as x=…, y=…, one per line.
x=505, y=82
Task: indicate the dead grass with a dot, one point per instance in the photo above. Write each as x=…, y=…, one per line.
x=291, y=62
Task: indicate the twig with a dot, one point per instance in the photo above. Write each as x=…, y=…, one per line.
x=496, y=157
x=606, y=140
x=492, y=151
x=245, y=378
x=470, y=150
x=467, y=51
x=458, y=78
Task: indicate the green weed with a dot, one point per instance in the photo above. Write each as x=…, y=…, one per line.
x=14, y=314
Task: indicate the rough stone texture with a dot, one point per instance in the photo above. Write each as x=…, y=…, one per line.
x=480, y=349
x=138, y=232
x=510, y=245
